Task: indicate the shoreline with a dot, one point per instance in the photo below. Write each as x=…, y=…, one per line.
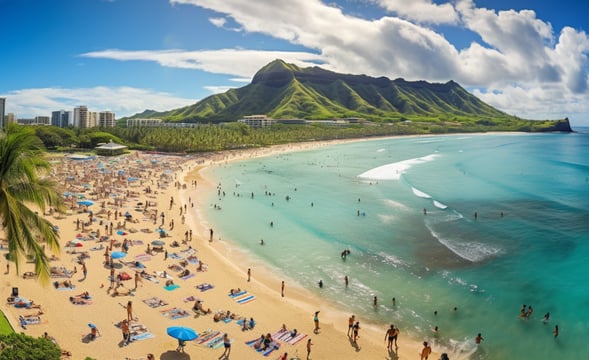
x=227, y=265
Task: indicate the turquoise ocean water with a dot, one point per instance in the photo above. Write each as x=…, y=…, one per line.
x=529, y=243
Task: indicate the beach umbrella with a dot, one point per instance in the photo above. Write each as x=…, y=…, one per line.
x=182, y=333
x=121, y=232
x=118, y=254
x=157, y=243
x=85, y=202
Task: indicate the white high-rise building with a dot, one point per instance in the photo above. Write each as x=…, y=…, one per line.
x=81, y=117
x=106, y=119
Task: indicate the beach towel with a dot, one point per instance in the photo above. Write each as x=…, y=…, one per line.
x=187, y=276
x=274, y=345
x=142, y=336
x=174, y=313
x=192, y=260
x=137, y=265
x=155, y=302
x=139, y=332
x=150, y=277
x=243, y=297
x=204, y=286
x=73, y=287
x=30, y=320
x=285, y=336
x=175, y=256
x=207, y=335
x=143, y=257
x=161, y=274
x=190, y=251
x=175, y=267
x=234, y=295
x=171, y=287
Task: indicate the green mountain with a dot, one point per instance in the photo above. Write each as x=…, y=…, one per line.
x=286, y=91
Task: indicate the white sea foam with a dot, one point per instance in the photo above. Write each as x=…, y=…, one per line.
x=395, y=204
x=472, y=251
x=392, y=260
x=381, y=150
x=393, y=171
x=439, y=205
x=420, y=193
x=386, y=218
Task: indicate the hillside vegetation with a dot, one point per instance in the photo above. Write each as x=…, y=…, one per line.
x=286, y=91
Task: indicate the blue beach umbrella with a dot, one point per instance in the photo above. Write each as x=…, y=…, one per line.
x=118, y=254
x=182, y=333
x=85, y=202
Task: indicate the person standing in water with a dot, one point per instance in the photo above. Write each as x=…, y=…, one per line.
x=555, y=331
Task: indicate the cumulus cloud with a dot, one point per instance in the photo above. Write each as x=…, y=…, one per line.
x=218, y=22
x=123, y=101
x=424, y=11
x=238, y=62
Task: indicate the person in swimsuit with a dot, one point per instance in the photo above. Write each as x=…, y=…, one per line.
x=351, y=324
x=227, y=346
x=390, y=336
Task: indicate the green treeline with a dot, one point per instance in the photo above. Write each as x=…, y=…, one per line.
x=209, y=137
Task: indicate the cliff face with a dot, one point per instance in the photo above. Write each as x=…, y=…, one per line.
x=562, y=126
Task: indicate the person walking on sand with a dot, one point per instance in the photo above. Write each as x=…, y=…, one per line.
x=316, y=321
x=309, y=344
x=351, y=321
x=426, y=351
x=137, y=280
x=390, y=336
x=249, y=274
x=356, y=329
x=282, y=289
x=227, y=346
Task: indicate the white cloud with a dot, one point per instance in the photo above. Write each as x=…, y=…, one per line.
x=242, y=80
x=422, y=10
x=123, y=101
x=239, y=62
x=218, y=22
x=217, y=89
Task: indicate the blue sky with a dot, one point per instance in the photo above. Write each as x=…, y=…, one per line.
x=525, y=57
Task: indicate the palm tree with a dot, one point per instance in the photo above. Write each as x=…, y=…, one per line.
x=24, y=188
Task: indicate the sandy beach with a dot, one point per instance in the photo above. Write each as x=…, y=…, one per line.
x=160, y=198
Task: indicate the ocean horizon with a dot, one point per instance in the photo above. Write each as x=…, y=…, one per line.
x=484, y=223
